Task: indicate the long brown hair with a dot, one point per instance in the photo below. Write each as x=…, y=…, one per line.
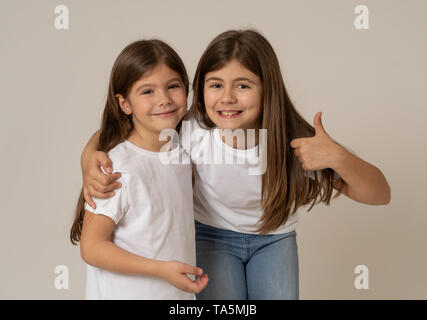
x=132, y=63
x=285, y=182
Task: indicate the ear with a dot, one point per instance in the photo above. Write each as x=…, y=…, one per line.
x=124, y=105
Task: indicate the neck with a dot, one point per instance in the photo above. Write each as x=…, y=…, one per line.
x=146, y=140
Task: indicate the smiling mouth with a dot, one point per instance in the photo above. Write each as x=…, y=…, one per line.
x=229, y=114
x=166, y=113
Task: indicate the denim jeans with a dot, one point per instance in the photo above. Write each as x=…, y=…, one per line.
x=244, y=266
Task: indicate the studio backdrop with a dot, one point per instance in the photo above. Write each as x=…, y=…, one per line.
x=361, y=63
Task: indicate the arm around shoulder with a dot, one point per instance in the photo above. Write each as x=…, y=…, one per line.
x=90, y=147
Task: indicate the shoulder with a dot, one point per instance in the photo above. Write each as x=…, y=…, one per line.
x=119, y=155
x=125, y=159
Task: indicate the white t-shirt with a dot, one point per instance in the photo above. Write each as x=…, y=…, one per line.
x=153, y=212
x=226, y=196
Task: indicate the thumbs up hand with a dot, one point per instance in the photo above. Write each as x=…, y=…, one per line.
x=317, y=152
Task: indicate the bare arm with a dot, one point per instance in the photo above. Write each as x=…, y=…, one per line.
x=97, y=250
x=364, y=182
x=96, y=183
x=91, y=147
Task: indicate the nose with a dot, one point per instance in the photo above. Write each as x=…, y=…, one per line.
x=164, y=99
x=228, y=97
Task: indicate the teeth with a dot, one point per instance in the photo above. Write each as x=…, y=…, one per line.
x=229, y=113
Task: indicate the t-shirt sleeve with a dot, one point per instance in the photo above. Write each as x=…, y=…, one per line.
x=114, y=207
x=311, y=175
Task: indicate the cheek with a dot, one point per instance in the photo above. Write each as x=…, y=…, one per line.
x=252, y=102
x=141, y=106
x=179, y=97
x=209, y=100
x=258, y=107
x=183, y=100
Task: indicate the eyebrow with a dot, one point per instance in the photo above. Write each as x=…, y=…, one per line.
x=237, y=79
x=153, y=85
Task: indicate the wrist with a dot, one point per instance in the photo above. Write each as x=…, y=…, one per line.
x=157, y=269
x=341, y=156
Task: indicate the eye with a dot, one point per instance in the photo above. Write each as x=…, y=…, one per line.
x=174, y=86
x=147, y=91
x=215, y=85
x=243, y=86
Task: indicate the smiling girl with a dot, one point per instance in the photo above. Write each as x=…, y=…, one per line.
x=139, y=244
x=245, y=224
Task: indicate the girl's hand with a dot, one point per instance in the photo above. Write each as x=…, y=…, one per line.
x=318, y=152
x=96, y=183
x=175, y=273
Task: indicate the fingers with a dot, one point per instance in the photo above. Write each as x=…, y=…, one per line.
x=104, y=161
x=202, y=282
x=88, y=198
x=298, y=142
x=178, y=276
x=107, y=165
x=100, y=195
x=297, y=153
x=191, y=270
x=104, y=189
x=102, y=178
x=100, y=185
x=198, y=285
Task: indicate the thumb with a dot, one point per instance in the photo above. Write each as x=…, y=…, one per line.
x=318, y=125
x=106, y=163
x=192, y=270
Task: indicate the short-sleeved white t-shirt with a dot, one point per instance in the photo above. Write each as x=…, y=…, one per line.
x=226, y=195
x=153, y=212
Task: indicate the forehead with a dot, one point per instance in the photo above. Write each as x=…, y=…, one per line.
x=159, y=72
x=233, y=69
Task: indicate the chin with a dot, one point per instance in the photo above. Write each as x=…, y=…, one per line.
x=229, y=124
x=167, y=124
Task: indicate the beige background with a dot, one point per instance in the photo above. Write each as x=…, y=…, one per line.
x=369, y=84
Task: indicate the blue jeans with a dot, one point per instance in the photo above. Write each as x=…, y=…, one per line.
x=244, y=266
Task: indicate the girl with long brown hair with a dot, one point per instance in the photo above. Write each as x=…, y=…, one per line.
x=245, y=223
x=139, y=244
